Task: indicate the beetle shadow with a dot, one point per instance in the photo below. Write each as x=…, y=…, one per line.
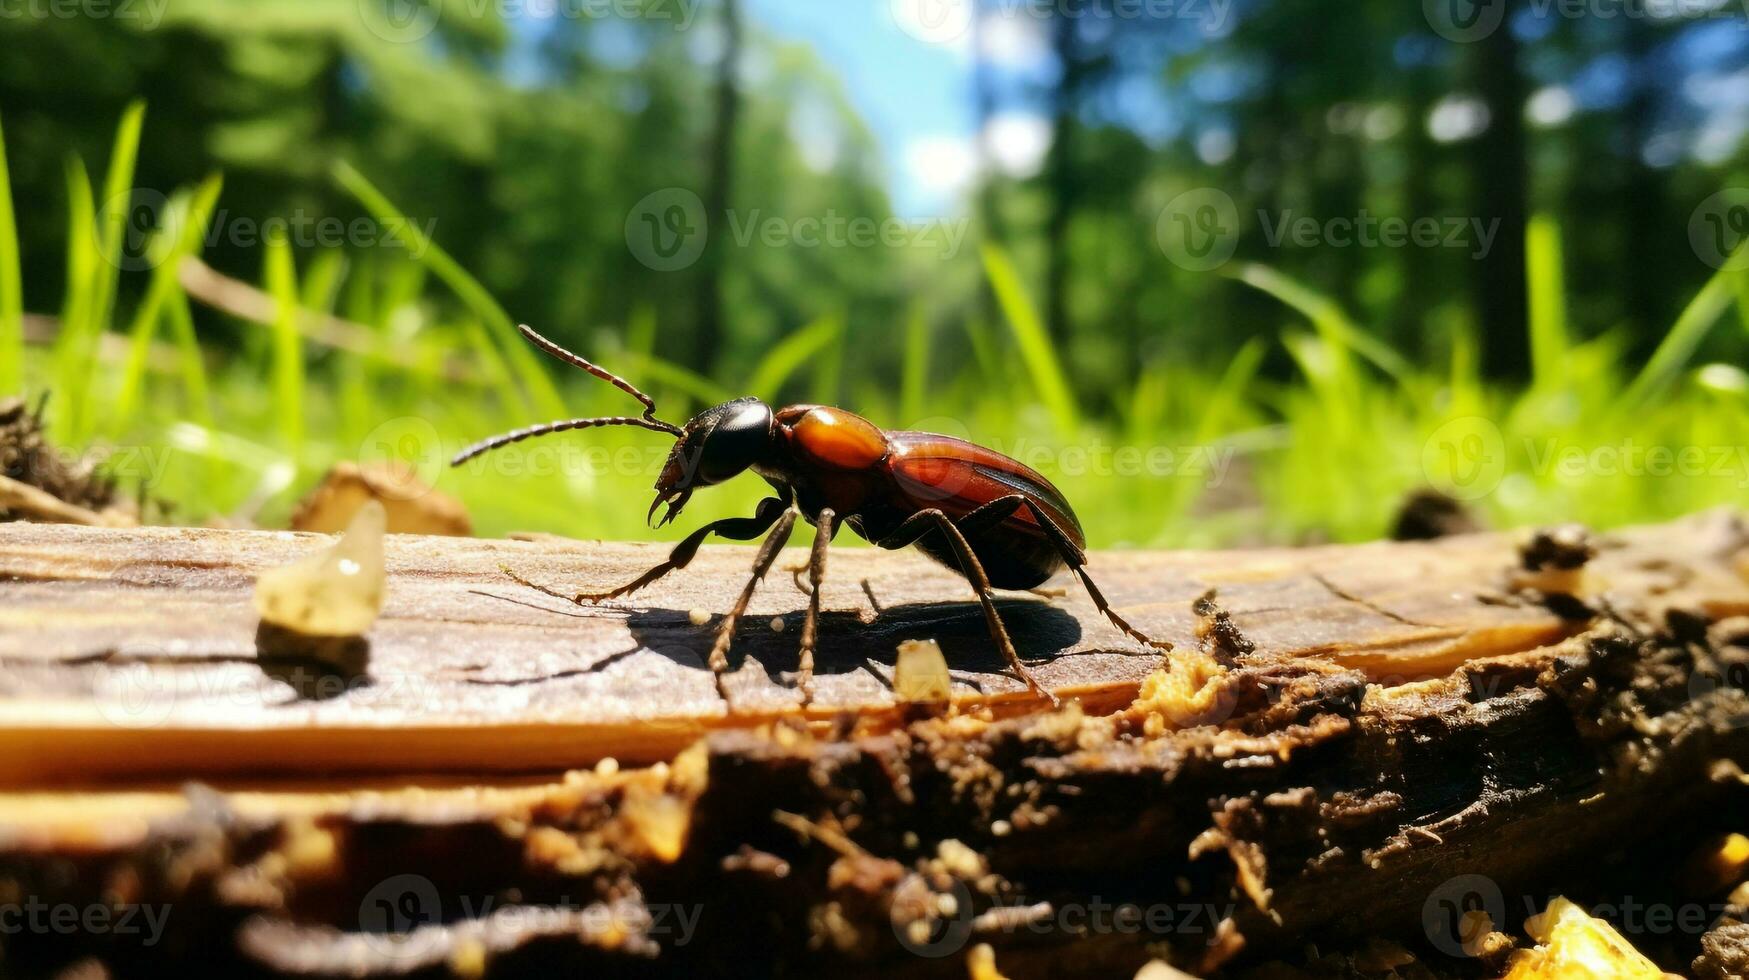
x=847, y=643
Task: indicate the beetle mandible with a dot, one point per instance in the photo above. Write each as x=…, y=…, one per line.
x=993, y=519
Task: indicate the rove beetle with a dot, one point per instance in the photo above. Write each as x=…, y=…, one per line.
x=993, y=519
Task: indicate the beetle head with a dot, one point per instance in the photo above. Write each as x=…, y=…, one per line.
x=718, y=444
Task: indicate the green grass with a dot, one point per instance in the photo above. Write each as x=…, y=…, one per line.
x=237, y=421
x=11, y=286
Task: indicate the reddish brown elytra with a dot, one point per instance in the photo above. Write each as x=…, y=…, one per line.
x=994, y=520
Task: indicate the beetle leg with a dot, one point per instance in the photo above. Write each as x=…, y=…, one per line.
x=733, y=528
x=1077, y=561
x=811, y=625
x=774, y=542
x=795, y=574
x=919, y=524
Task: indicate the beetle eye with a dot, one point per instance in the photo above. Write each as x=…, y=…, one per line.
x=735, y=442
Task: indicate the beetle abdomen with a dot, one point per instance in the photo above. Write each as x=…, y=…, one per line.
x=958, y=477
x=1010, y=561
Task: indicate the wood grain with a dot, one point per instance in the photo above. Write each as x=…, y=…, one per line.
x=132, y=654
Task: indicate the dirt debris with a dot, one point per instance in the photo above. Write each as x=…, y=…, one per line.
x=67, y=491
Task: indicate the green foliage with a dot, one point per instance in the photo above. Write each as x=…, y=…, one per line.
x=1043, y=365
x=1301, y=408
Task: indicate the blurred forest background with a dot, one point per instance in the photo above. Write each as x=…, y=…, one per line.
x=1326, y=378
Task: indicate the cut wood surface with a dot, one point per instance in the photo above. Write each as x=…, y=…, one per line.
x=132, y=654
x=1377, y=738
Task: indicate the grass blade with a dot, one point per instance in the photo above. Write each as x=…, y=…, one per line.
x=288, y=346
x=1548, y=298
x=184, y=229
x=70, y=345
x=1685, y=335
x=914, y=373
x=190, y=359
x=689, y=383
x=792, y=352
x=1036, y=350
x=827, y=376
x=1333, y=325
x=545, y=395
x=11, y=288
x=118, y=195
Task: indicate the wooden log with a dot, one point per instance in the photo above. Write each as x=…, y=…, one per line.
x=1365, y=727
x=132, y=655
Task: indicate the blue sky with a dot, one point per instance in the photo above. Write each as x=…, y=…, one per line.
x=910, y=92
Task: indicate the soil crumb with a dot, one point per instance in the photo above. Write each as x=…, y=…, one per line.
x=27, y=457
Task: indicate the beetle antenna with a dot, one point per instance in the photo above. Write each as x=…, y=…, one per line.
x=604, y=374
x=566, y=425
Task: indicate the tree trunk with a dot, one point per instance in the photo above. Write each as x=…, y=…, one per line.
x=708, y=323
x=1498, y=175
